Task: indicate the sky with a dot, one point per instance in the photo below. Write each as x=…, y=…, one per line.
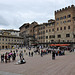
x=14, y=13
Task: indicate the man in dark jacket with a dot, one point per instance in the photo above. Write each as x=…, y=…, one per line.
x=53, y=55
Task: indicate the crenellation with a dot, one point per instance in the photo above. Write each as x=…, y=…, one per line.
x=63, y=9
x=57, y=10
x=60, y=9
x=72, y=5
x=66, y=8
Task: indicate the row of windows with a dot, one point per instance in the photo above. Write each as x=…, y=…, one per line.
x=46, y=25
x=3, y=43
x=67, y=35
x=49, y=30
x=64, y=28
x=10, y=40
x=64, y=22
x=65, y=40
x=53, y=36
x=42, y=37
x=41, y=28
x=57, y=40
x=42, y=32
x=59, y=36
x=6, y=43
x=64, y=17
x=50, y=24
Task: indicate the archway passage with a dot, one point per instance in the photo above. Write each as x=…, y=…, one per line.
x=2, y=47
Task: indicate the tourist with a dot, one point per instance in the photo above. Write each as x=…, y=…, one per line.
x=6, y=58
x=41, y=53
x=53, y=55
x=32, y=53
x=9, y=56
x=21, y=61
x=29, y=53
x=20, y=55
x=14, y=55
x=2, y=58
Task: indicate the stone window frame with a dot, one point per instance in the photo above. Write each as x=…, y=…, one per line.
x=69, y=16
x=46, y=37
x=57, y=29
x=59, y=35
x=61, y=18
x=57, y=19
x=69, y=21
x=67, y=35
x=69, y=27
x=64, y=27
x=64, y=21
x=53, y=29
x=60, y=28
x=57, y=23
x=46, y=31
x=64, y=17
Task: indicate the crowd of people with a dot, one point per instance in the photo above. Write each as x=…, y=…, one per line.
x=8, y=56
x=11, y=56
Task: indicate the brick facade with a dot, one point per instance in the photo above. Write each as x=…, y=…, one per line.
x=62, y=29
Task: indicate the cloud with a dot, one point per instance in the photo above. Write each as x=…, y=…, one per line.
x=16, y=12
x=3, y=21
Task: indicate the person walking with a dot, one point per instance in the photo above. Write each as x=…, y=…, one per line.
x=29, y=53
x=53, y=55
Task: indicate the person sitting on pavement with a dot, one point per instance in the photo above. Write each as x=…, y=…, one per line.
x=21, y=61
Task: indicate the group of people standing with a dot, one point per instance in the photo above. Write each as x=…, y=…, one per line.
x=8, y=56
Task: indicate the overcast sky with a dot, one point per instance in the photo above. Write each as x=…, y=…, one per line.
x=14, y=13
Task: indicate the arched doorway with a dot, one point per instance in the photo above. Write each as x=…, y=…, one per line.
x=2, y=47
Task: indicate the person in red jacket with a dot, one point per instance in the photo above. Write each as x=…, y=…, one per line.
x=6, y=58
